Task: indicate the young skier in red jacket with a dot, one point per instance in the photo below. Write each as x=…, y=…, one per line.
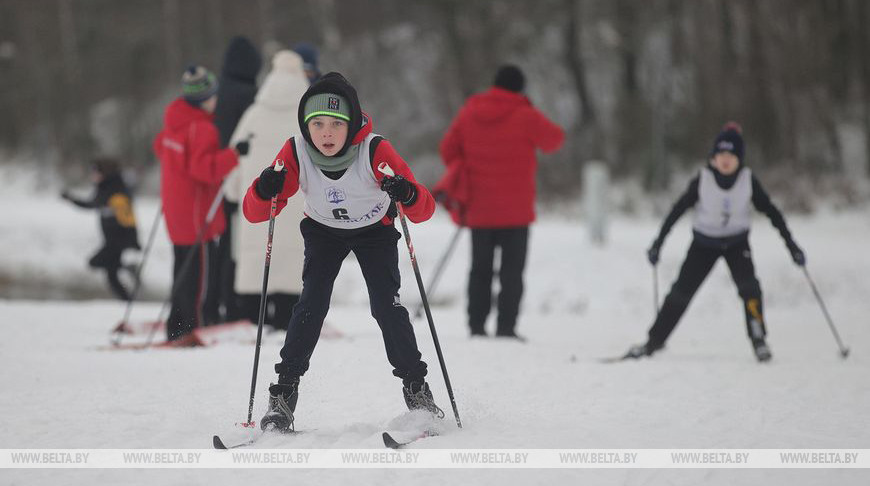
x=192, y=168
x=349, y=208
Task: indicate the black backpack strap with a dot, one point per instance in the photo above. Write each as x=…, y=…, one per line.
x=373, y=146
x=295, y=155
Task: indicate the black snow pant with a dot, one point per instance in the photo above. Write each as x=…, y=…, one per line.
x=376, y=251
x=513, y=243
x=109, y=258
x=189, y=288
x=227, y=302
x=698, y=264
x=279, y=308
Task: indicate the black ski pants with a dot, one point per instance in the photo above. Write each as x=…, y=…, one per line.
x=513, y=243
x=190, y=287
x=376, y=251
x=109, y=258
x=279, y=308
x=698, y=264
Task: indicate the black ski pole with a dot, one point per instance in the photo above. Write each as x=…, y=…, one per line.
x=844, y=351
x=439, y=269
x=185, y=265
x=279, y=166
x=387, y=170
x=656, y=289
x=122, y=326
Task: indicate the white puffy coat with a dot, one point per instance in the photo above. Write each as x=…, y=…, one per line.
x=272, y=119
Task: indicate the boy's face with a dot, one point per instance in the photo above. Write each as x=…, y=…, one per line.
x=726, y=163
x=210, y=104
x=328, y=134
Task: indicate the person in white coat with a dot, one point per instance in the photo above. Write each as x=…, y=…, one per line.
x=268, y=123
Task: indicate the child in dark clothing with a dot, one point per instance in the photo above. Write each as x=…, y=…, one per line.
x=112, y=200
x=722, y=194
x=349, y=207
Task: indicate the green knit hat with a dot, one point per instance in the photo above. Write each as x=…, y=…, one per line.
x=327, y=104
x=198, y=84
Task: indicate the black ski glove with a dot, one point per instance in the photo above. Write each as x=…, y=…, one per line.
x=653, y=253
x=400, y=189
x=271, y=183
x=243, y=147
x=797, y=255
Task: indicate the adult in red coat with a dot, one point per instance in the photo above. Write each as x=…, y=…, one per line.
x=490, y=153
x=193, y=167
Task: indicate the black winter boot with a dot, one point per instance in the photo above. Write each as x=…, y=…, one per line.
x=642, y=350
x=418, y=396
x=282, y=404
x=762, y=351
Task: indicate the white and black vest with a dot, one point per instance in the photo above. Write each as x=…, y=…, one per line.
x=721, y=212
x=353, y=201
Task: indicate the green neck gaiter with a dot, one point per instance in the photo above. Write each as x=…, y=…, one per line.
x=332, y=164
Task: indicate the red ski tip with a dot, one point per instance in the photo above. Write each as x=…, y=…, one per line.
x=249, y=425
x=122, y=328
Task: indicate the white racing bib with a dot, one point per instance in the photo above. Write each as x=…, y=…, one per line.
x=723, y=212
x=353, y=201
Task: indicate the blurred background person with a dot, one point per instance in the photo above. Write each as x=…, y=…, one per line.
x=118, y=222
x=495, y=137
x=193, y=167
x=272, y=119
x=237, y=88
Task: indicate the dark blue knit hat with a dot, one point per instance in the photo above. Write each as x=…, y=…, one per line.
x=308, y=53
x=730, y=139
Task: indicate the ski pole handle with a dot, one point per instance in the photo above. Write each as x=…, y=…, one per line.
x=386, y=169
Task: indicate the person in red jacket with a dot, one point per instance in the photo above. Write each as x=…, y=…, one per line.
x=349, y=207
x=193, y=167
x=490, y=151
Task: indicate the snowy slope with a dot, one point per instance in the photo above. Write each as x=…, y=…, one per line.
x=57, y=390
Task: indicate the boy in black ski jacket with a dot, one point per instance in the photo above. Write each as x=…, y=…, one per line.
x=112, y=200
x=722, y=195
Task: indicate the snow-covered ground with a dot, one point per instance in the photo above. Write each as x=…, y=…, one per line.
x=58, y=390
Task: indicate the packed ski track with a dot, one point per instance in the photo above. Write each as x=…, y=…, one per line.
x=582, y=303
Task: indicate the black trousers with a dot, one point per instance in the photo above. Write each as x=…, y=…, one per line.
x=279, y=308
x=699, y=261
x=226, y=305
x=378, y=258
x=109, y=258
x=190, y=287
x=513, y=243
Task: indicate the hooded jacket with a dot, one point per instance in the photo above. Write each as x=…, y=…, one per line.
x=271, y=119
x=237, y=87
x=490, y=151
x=192, y=167
x=360, y=126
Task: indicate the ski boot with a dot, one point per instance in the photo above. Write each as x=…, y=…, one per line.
x=282, y=404
x=641, y=350
x=418, y=396
x=762, y=351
